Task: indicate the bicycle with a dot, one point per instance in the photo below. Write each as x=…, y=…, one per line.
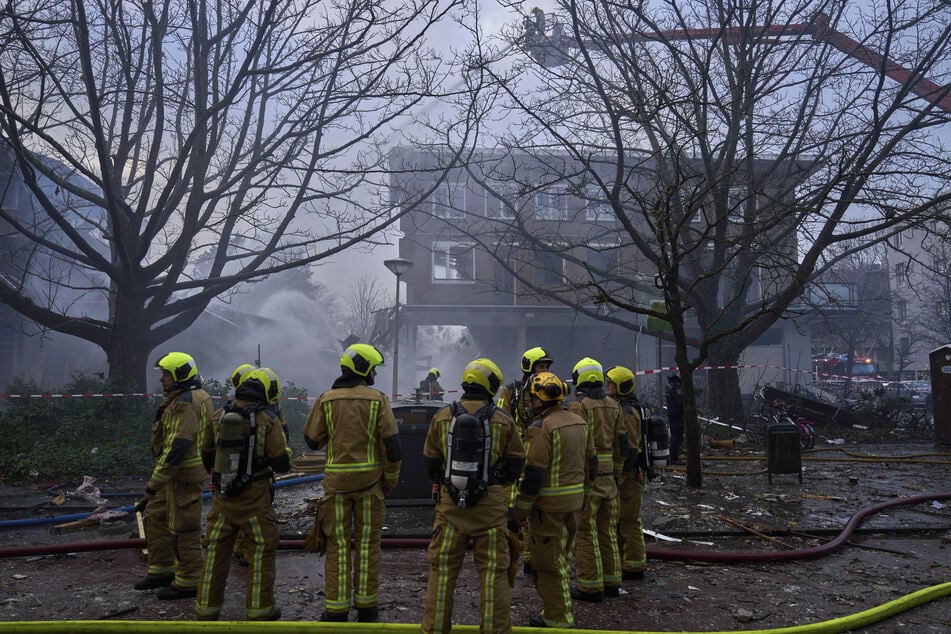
x=771, y=413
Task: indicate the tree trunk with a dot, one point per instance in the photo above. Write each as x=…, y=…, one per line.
x=130, y=341
x=691, y=432
x=128, y=358
x=726, y=401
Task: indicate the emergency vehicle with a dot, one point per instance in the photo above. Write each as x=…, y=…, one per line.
x=834, y=369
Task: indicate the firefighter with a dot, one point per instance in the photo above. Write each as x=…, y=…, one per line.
x=597, y=555
x=357, y=425
x=245, y=447
x=173, y=493
x=514, y=397
x=430, y=387
x=551, y=492
x=235, y=380
x=474, y=453
x=619, y=384
x=516, y=400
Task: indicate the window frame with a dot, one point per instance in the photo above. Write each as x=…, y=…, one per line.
x=547, y=272
x=445, y=197
x=543, y=196
x=444, y=249
x=505, y=212
x=591, y=205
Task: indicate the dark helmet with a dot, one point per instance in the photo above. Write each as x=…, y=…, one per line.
x=533, y=356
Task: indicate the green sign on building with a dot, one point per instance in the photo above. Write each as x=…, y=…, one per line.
x=656, y=324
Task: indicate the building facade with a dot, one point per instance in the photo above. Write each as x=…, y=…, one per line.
x=518, y=249
x=918, y=264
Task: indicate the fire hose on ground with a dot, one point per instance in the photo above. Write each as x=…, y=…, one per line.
x=670, y=554
x=841, y=624
x=833, y=626
x=35, y=521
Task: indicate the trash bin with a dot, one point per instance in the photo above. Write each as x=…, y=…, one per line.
x=413, y=419
x=940, y=364
x=783, y=454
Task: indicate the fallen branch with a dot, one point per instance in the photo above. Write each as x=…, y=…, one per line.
x=750, y=529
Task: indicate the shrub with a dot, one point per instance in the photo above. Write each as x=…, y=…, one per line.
x=99, y=436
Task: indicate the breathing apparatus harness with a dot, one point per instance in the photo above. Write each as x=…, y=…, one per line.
x=523, y=416
x=235, y=457
x=638, y=462
x=468, y=472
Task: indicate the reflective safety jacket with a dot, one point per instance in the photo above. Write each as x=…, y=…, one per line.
x=177, y=438
x=517, y=401
x=358, y=427
x=430, y=389
x=557, y=464
x=506, y=458
x=631, y=419
x=611, y=442
x=271, y=453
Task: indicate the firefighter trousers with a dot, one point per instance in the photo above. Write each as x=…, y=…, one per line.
x=173, y=533
x=158, y=539
x=254, y=518
x=553, y=539
x=446, y=553
x=597, y=555
x=630, y=529
x=359, y=515
x=184, y=524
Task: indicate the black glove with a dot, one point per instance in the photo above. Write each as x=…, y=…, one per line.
x=141, y=504
x=513, y=524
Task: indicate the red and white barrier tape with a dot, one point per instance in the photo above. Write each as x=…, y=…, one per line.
x=671, y=368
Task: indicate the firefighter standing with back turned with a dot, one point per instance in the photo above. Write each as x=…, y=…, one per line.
x=551, y=493
x=597, y=555
x=236, y=375
x=473, y=451
x=244, y=448
x=173, y=493
x=619, y=384
x=357, y=424
x=516, y=399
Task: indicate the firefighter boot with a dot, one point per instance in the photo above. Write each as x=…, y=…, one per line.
x=368, y=615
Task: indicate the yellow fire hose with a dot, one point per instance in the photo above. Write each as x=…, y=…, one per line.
x=841, y=624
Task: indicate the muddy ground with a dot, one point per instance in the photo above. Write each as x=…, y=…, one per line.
x=894, y=553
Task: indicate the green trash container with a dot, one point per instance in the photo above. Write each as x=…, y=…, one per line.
x=413, y=418
x=783, y=454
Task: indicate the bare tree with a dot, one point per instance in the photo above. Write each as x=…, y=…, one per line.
x=729, y=143
x=173, y=150
x=364, y=298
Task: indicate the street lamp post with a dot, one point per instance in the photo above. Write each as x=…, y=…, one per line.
x=398, y=266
